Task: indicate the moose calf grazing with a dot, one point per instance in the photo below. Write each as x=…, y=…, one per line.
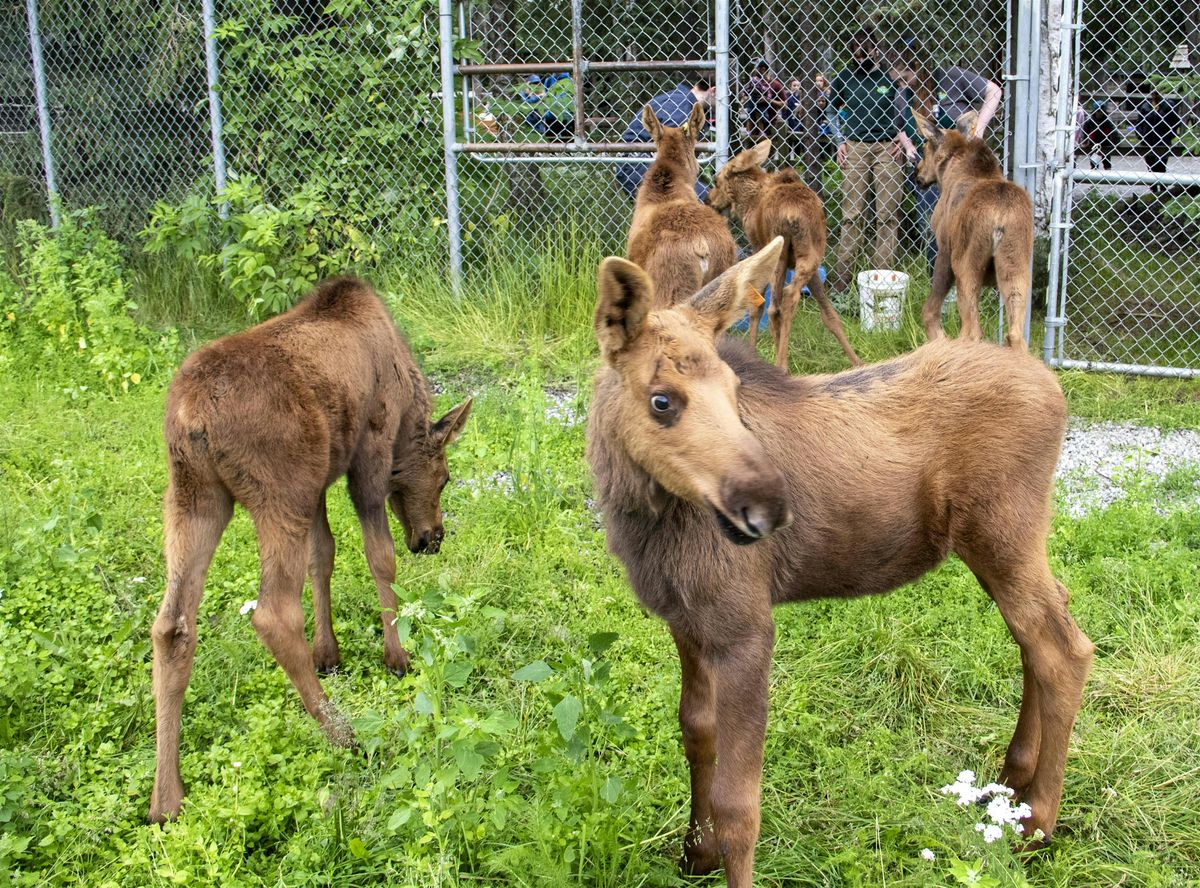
x=831, y=486
x=681, y=243
x=270, y=418
x=780, y=204
x=984, y=229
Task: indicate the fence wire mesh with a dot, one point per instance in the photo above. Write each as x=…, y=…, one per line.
x=1133, y=212
x=332, y=129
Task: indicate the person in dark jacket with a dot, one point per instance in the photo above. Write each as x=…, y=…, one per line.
x=1158, y=124
x=672, y=109
x=1101, y=135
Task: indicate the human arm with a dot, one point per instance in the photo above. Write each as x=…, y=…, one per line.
x=991, y=102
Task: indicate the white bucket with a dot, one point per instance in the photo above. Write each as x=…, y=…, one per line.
x=881, y=298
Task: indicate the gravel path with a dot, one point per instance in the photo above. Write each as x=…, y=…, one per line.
x=1100, y=460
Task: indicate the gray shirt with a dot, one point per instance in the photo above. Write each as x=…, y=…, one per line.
x=958, y=91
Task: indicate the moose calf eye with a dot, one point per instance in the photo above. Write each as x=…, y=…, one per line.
x=661, y=403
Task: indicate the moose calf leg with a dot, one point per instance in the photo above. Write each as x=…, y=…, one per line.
x=931, y=312
x=779, y=318
x=829, y=316
x=193, y=527
x=1034, y=605
x=698, y=722
x=381, y=557
x=279, y=622
x=969, y=285
x=326, y=656
x=741, y=672
x=1021, y=759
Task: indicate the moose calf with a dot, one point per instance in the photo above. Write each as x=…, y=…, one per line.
x=984, y=229
x=270, y=418
x=728, y=486
x=681, y=243
x=780, y=204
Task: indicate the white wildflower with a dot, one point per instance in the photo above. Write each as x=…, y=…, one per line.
x=137, y=579
x=249, y=606
x=928, y=854
x=967, y=777
x=237, y=764
x=991, y=832
x=1111, y=792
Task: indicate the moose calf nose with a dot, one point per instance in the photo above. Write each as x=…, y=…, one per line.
x=759, y=504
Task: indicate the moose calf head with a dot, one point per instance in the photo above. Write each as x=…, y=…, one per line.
x=721, y=197
x=419, y=473
x=677, y=144
x=677, y=412
x=943, y=146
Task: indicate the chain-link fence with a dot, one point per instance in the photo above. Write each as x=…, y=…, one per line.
x=333, y=126
x=1129, y=220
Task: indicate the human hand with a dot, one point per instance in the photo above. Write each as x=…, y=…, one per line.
x=841, y=155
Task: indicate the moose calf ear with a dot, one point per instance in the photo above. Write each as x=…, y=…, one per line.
x=623, y=304
x=927, y=127
x=966, y=123
x=696, y=121
x=447, y=429
x=723, y=300
x=650, y=122
x=760, y=152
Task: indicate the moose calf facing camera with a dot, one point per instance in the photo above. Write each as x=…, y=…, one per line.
x=728, y=487
x=270, y=418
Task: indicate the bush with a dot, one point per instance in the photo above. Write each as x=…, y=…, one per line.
x=71, y=306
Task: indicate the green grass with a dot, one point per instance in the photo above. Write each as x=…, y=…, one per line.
x=469, y=778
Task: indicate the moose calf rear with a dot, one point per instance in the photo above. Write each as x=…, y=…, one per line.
x=270, y=418
x=728, y=486
x=984, y=229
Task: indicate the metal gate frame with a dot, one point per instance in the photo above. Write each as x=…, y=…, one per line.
x=579, y=148
x=1065, y=176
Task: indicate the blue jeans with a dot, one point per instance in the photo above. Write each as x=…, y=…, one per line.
x=926, y=198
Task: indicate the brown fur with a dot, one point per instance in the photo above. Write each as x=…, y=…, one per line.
x=984, y=229
x=680, y=242
x=842, y=485
x=270, y=418
x=780, y=205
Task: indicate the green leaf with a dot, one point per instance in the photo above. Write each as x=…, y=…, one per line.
x=599, y=642
x=422, y=704
x=456, y=673
x=566, y=713
x=398, y=819
x=611, y=790
x=357, y=848
x=538, y=670
x=469, y=761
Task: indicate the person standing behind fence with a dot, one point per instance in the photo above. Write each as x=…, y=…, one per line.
x=866, y=96
x=765, y=98
x=671, y=109
x=1157, y=125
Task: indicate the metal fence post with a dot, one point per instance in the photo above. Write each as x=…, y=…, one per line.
x=1063, y=125
x=43, y=108
x=214, y=102
x=450, y=142
x=721, y=79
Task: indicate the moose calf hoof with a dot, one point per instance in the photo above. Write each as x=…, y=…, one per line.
x=163, y=813
x=396, y=663
x=326, y=661
x=701, y=859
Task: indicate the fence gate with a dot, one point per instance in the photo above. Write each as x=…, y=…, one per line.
x=1124, y=267
x=528, y=163
x=524, y=175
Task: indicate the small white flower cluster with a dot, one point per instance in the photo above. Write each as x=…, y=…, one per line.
x=928, y=854
x=1000, y=809
x=249, y=606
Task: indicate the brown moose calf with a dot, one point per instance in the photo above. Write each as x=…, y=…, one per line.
x=681, y=243
x=270, y=418
x=780, y=205
x=728, y=486
x=984, y=229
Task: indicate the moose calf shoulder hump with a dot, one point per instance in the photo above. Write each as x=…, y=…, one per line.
x=270, y=418
x=728, y=486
